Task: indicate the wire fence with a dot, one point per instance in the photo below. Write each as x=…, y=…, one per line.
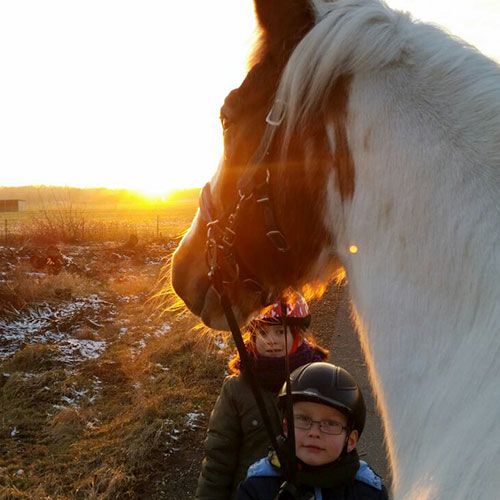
x=97, y=225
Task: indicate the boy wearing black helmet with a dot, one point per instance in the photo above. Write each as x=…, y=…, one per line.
x=329, y=416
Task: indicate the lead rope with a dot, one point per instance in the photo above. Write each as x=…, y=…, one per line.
x=288, y=489
x=289, y=402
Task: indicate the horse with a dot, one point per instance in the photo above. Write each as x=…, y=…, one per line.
x=375, y=139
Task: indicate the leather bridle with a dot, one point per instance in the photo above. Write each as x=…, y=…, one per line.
x=222, y=261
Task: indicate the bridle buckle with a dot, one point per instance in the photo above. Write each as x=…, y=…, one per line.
x=277, y=113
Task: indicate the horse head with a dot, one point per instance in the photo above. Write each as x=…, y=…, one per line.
x=277, y=237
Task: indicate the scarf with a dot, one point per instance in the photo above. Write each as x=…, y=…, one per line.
x=335, y=475
x=270, y=372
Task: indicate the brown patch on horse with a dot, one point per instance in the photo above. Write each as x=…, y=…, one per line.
x=344, y=164
x=300, y=197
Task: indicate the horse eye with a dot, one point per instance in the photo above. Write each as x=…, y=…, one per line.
x=226, y=122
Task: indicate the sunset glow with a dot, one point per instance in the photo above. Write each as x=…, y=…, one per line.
x=127, y=95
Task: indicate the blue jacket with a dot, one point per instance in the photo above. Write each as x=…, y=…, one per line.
x=264, y=480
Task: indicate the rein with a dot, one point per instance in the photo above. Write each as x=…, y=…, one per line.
x=224, y=271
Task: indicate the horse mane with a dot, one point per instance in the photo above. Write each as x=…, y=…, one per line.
x=361, y=36
x=423, y=126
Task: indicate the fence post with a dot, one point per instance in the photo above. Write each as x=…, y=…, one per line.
x=6, y=230
x=157, y=226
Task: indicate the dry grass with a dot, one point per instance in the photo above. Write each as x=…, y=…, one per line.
x=114, y=427
x=111, y=443
x=33, y=358
x=132, y=285
x=29, y=288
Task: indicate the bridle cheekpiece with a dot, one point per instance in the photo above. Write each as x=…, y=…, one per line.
x=224, y=268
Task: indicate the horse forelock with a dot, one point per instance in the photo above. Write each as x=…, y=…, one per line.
x=349, y=36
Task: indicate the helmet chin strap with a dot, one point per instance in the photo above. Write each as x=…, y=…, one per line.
x=344, y=451
x=296, y=340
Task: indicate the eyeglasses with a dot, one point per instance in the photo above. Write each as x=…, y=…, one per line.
x=326, y=426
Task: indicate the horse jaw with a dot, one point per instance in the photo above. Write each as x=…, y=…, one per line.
x=189, y=277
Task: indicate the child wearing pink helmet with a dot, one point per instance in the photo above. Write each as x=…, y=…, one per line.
x=236, y=435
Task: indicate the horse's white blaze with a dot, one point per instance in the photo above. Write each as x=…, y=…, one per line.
x=423, y=127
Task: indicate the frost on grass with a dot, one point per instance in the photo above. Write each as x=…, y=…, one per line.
x=220, y=342
x=49, y=324
x=192, y=420
x=174, y=434
x=165, y=328
x=77, y=396
x=74, y=350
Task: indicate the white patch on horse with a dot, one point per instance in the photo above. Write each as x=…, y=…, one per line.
x=424, y=131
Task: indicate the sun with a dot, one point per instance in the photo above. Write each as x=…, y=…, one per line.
x=153, y=192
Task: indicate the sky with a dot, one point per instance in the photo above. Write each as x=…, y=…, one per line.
x=126, y=94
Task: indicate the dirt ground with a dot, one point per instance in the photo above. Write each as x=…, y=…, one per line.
x=333, y=328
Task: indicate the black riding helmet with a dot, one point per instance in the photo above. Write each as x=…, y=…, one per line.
x=330, y=385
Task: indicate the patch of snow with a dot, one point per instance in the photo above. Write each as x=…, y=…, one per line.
x=37, y=275
x=76, y=395
x=80, y=349
x=48, y=324
x=155, y=261
x=96, y=389
x=164, y=368
x=192, y=418
x=219, y=342
x=92, y=424
x=165, y=328
x=128, y=298
x=70, y=401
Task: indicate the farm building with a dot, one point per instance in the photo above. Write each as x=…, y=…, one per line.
x=12, y=205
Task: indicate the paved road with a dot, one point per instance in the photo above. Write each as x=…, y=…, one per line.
x=332, y=325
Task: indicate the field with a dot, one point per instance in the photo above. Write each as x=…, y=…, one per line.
x=105, y=387
x=69, y=215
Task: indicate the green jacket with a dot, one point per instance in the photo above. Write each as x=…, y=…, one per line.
x=236, y=438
